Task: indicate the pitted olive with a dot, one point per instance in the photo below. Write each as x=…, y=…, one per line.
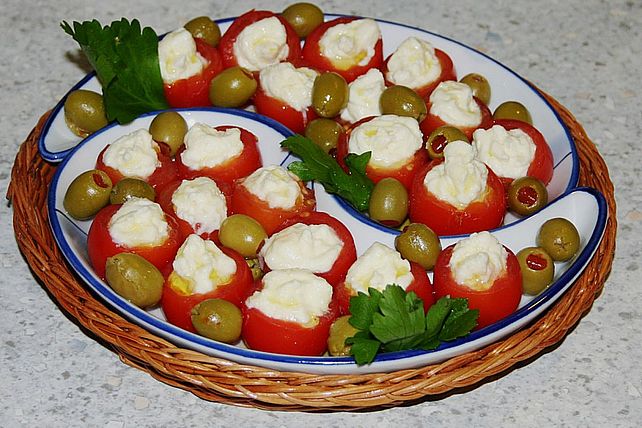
x=232, y=87
x=537, y=269
x=325, y=133
x=418, y=243
x=526, y=196
x=480, y=86
x=84, y=112
x=135, y=279
x=87, y=194
x=402, y=101
x=329, y=94
x=303, y=17
x=340, y=330
x=389, y=202
x=204, y=28
x=559, y=238
x=513, y=110
x=242, y=234
x=170, y=128
x=217, y=319
x=440, y=137
x=128, y=188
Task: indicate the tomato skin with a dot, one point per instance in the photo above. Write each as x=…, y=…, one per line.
x=226, y=44
x=100, y=245
x=245, y=202
x=264, y=333
x=224, y=174
x=420, y=285
x=499, y=301
x=195, y=90
x=348, y=253
x=432, y=122
x=312, y=56
x=447, y=73
x=541, y=166
x=446, y=219
x=178, y=307
x=281, y=112
x=404, y=173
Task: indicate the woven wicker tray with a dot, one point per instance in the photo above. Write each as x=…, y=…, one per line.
x=224, y=381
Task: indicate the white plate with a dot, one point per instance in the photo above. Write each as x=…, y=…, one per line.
x=586, y=208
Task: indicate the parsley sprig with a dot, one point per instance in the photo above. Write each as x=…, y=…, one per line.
x=315, y=164
x=125, y=59
x=394, y=320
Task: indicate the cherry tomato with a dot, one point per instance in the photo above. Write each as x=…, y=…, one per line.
x=447, y=73
x=238, y=167
x=313, y=57
x=101, y=246
x=446, y=219
x=177, y=306
x=499, y=301
x=282, y=112
x=195, y=91
x=348, y=253
x=432, y=122
x=226, y=45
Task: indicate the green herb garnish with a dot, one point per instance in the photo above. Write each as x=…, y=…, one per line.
x=394, y=320
x=355, y=187
x=126, y=62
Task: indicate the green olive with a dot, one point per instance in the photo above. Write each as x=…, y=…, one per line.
x=389, y=202
x=402, y=101
x=84, y=112
x=218, y=319
x=303, y=17
x=537, y=269
x=440, y=137
x=329, y=94
x=134, y=279
x=340, y=330
x=170, y=128
x=479, y=85
x=418, y=243
x=232, y=88
x=128, y=188
x=325, y=133
x=559, y=238
x=527, y=195
x=242, y=233
x=87, y=194
x=513, y=110
x=204, y=28
x=255, y=267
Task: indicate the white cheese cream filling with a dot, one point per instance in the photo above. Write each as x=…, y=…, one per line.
x=291, y=85
x=200, y=203
x=133, y=155
x=275, y=185
x=508, y=153
x=201, y=266
x=295, y=295
x=478, y=260
x=414, y=64
x=363, y=97
x=460, y=179
x=139, y=222
x=350, y=44
x=178, y=58
x=393, y=140
x=304, y=246
x=205, y=147
x=378, y=267
x=260, y=44
x=453, y=102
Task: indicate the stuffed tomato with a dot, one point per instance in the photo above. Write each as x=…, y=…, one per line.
x=417, y=65
x=378, y=267
x=257, y=39
x=483, y=271
x=285, y=95
x=137, y=155
x=457, y=195
x=138, y=226
x=187, y=67
x=395, y=144
x=199, y=206
x=347, y=45
x=452, y=103
x=201, y=271
x=222, y=153
x=290, y=313
x=271, y=195
x=314, y=241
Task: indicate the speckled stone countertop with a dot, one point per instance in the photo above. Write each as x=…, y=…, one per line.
x=585, y=53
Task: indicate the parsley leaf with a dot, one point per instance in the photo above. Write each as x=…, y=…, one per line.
x=315, y=164
x=125, y=59
x=394, y=320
